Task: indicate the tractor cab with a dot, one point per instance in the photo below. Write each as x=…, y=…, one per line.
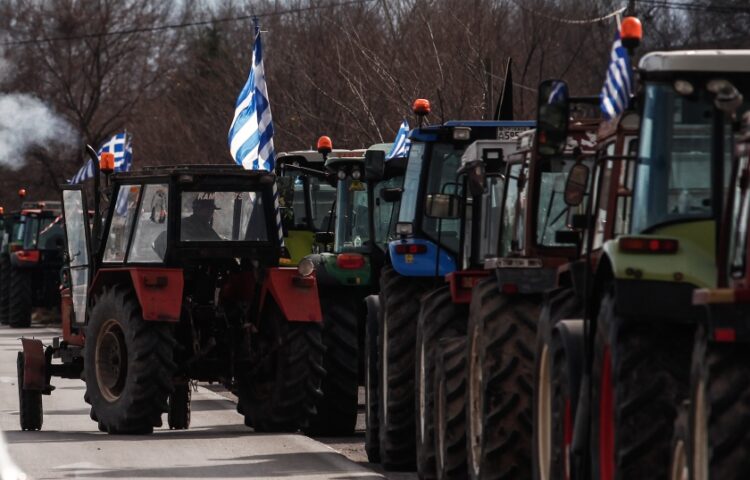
x=39, y=235
x=434, y=159
x=307, y=196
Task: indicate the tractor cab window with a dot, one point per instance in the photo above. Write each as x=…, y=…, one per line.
x=385, y=213
x=408, y=207
x=322, y=203
x=293, y=187
x=674, y=173
x=492, y=201
x=352, y=230
x=512, y=223
x=150, y=239
x=123, y=218
x=209, y=216
x=441, y=178
x=553, y=212
x=51, y=234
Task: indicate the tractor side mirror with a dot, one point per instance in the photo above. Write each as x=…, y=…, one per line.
x=553, y=111
x=374, y=165
x=575, y=186
x=442, y=206
x=391, y=195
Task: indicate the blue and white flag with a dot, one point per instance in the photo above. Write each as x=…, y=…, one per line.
x=618, y=85
x=122, y=147
x=400, y=148
x=251, y=133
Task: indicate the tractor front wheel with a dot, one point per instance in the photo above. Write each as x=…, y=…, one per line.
x=129, y=365
x=281, y=394
x=449, y=409
x=21, y=298
x=178, y=417
x=337, y=408
x=29, y=402
x=439, y=317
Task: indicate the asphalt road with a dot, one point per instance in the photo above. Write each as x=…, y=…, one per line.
x=217, y=445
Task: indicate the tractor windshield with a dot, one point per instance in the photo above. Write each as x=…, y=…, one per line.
x=492, y=203
x=553, y=212
x=352, y=230
x=42, y=232
x=208, y=216
x=674, y=176
x=309, y=202
x=385, y=213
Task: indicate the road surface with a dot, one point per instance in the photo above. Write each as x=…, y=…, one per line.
x=217, y=445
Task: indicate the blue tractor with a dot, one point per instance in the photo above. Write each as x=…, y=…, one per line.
x=425, y=251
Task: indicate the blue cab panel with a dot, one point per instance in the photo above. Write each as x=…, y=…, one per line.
x=420, y=264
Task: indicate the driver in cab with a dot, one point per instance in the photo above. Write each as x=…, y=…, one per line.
x=198, y=226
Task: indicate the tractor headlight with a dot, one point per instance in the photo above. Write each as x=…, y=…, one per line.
x=342, y=174
x=356, y=174
x=305, y=267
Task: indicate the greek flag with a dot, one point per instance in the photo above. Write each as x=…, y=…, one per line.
x=618, y=86
x=400, y=148
x=121, y=145
x=251, y=133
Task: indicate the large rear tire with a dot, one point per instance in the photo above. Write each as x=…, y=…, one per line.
x=21, y=298
x=720, y=411
x=30, y=411
x=337, y=408
x=554, y=402
x=639, y=379
x=372, y=422
x=439, y=317
x=129, y=365
x=501, y=339
x=282, y=393
x=449, y=409
x=4, y=289
x=680, y=457
x=396, y=345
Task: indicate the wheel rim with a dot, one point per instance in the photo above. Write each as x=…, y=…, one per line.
x=476, y=403
x=679, y=469
x=421, y=394
x=544, y=416
x=700, y=434
x=384, y=370
x=441, y=424
x=111, y=360
x=606, y=421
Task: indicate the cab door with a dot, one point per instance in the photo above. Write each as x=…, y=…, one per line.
x=78, y=248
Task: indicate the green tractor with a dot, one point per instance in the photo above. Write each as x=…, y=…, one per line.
x=639, y=318
x=345, y=259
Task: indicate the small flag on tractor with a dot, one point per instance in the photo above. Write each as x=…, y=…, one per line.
x=400, y=148
x=121, y=145
x=618, y=85
x=251, y=132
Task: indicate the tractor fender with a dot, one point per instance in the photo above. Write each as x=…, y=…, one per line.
x=34, y=365
x=462, y=284
x=570, y=335
x=159, y=290
x=296, y=296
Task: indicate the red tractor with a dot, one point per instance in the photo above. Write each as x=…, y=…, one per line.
x=183, y=285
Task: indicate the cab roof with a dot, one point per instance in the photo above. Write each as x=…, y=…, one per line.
x=203, y=170
x=310, y=156
x=725, y=61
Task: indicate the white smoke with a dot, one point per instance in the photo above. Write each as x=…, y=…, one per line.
x=26, y=123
